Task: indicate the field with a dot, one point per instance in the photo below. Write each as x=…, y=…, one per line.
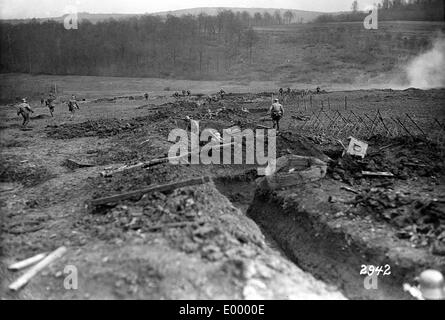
x=226, y=239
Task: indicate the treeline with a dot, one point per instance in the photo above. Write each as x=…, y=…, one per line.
x=192, y=46
x=407, y=10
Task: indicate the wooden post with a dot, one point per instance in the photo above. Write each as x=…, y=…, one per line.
x=381, y=119
x=403, y=126
x=417, y=126
x=156, y=188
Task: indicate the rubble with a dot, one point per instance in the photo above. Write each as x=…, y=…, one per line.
x=420, y=221
x=292, y=170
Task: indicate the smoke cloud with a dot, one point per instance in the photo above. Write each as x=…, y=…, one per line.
x=427, y=70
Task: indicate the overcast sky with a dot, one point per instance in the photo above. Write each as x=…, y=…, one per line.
x=12, y=9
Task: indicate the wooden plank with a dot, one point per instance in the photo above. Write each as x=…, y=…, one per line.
x=156, y=188
x=140, y=165
x=377, y=174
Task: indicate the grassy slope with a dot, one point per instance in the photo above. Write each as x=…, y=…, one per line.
x=343, y=53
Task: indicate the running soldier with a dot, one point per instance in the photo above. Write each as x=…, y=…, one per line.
x=23, y=110
x=276, y=112
x=72, y=105
x=49, y=103
x=50, y=106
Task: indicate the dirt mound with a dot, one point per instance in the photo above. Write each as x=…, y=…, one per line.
x=103, y=127
x=13, y=170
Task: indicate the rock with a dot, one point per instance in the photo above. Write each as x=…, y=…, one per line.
x=212, y=252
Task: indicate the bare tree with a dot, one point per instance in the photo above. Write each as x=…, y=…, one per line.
x=354, y=6
x=288, y=16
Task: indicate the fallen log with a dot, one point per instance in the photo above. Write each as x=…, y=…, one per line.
x=141, y=192
x=24, y=279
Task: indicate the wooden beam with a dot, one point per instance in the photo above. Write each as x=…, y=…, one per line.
x=141, y=192
x=377, y=174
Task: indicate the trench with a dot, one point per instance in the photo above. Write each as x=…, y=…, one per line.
x=310, y=245
x=240, y=190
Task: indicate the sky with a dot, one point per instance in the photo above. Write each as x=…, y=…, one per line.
x=19, y=9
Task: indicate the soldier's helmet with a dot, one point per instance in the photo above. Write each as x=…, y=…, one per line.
x=24, y=100
x=276, y=100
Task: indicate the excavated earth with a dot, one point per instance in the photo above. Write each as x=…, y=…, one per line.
x=226, y=239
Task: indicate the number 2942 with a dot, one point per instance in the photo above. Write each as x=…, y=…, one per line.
x=370, y=270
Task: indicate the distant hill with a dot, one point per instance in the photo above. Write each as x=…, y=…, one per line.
x=299, y=15
x=93, y=17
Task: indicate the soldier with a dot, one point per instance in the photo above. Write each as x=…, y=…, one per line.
x=146, y=96
x=281, y=91
x=288, y=91
x=24, y=109
x=276, y=112
x=72, y=105
x=74, y=100
x=50, y=106
x=222, y=93
x=71, y=108
x=318, y=90
x=189, y=93
x=49, y=102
